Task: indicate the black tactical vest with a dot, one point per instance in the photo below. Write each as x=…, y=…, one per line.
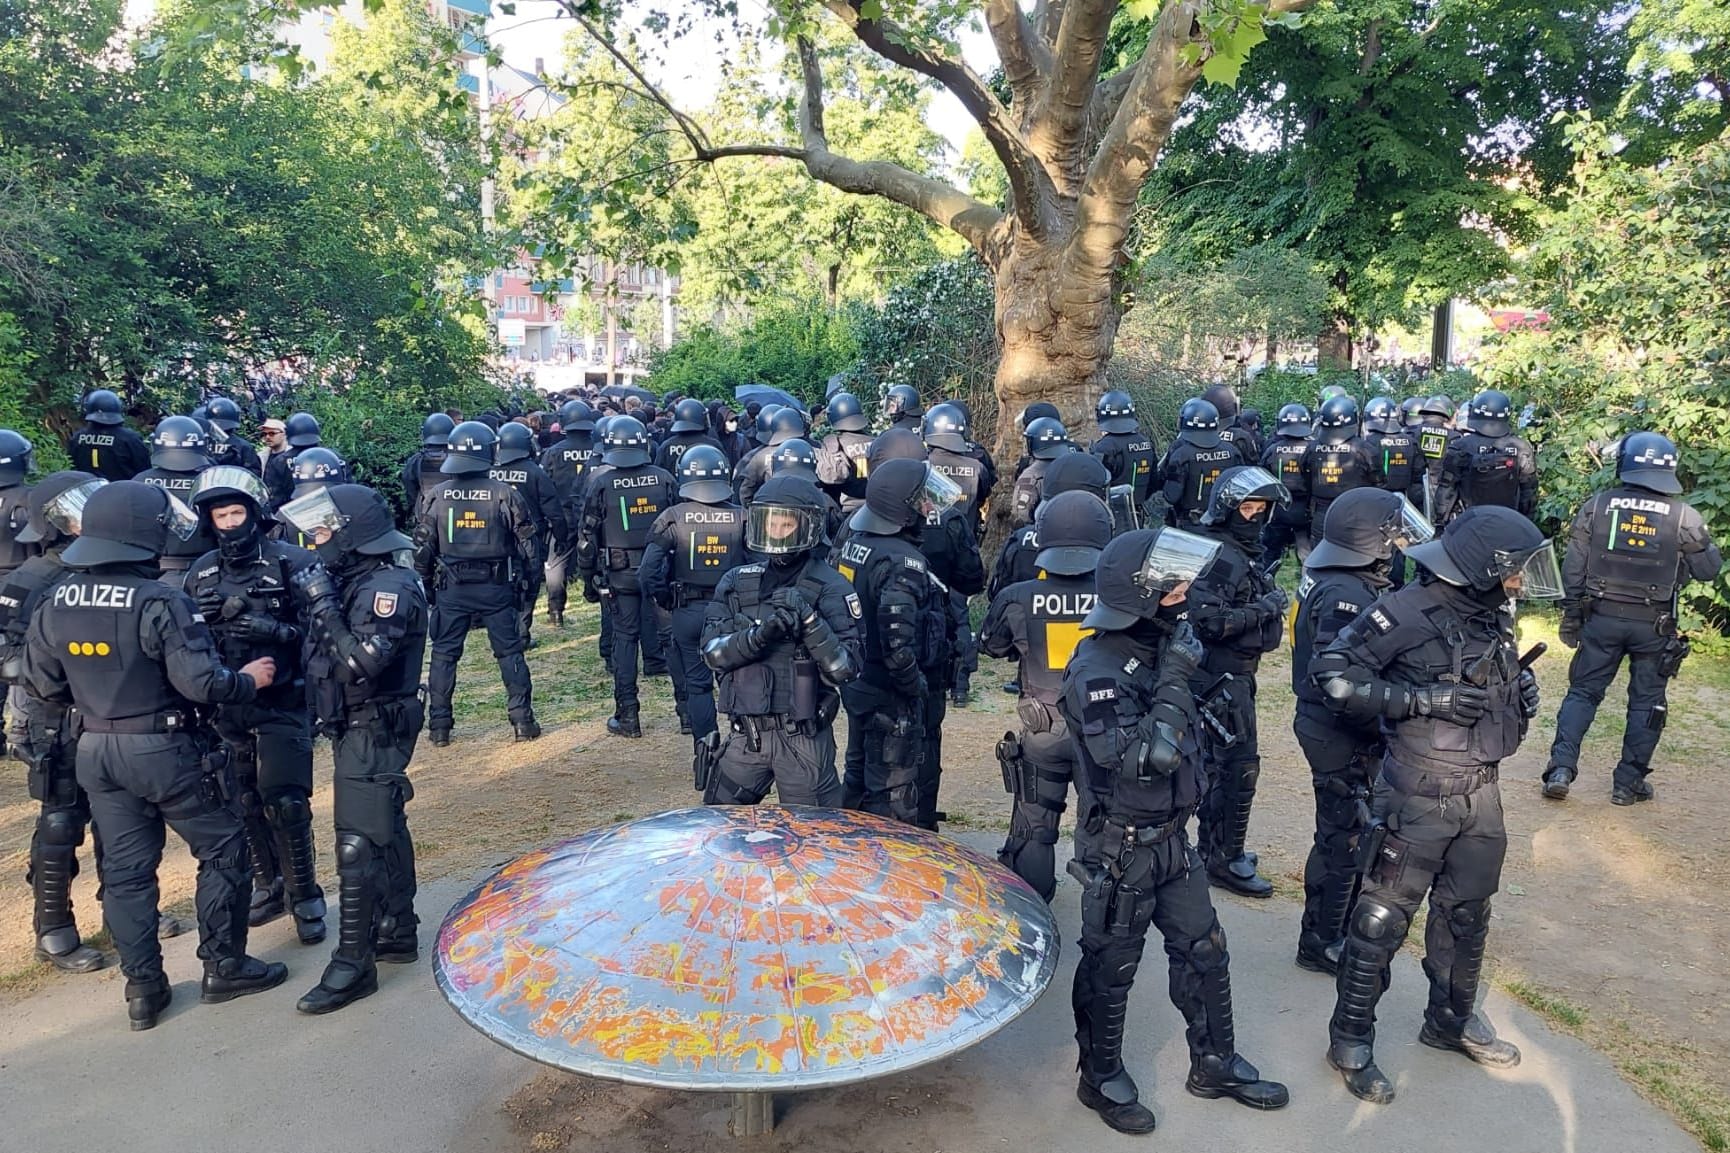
x=471, y=515
x=1284, y=457
x=1492, y=474
x=1334, y=470
x=865, y=560
x=708, y=542
x=631, y=500
x=765, y=686
x=262, y=585
x=965, y=471
x=1055, y=607
x=1636, y=546
x=853, y=446
x=92, y=624
x=1397, y=453
x=1201, y=469
x=1113, y=659
x=1135, y=461
x=1324, y=595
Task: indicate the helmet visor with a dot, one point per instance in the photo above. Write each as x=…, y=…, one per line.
x=1125, y=513
x=1177, y=557
x=1409, y=526
x=228, y=476
x=778, y=529
x=1251, y=483
x=66, y=511
x=939, y=494
x=1539, y=578
x=314, y=511
x=181, y=521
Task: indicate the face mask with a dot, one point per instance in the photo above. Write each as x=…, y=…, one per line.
x=237, y=542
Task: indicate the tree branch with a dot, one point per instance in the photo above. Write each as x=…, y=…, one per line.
x=1048, y=17
x=1026, y=58
x=971, y=219
x=1062, y=118
x=1033, y=192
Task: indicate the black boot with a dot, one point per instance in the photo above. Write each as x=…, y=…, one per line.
x=267, y=904
x=1219, y=1071
x=1476, y=1038
x=1631, y=794
x=299, y=858
x=1238, y=874
x=1317, y=957
x=1105, y=1086
x=1118, y=1103
x=1320, y=946
x=527, y=729
x=146, y=1001
x=65, y=950
x=1229, y=866
x=351, y=973
x=1352, y=1031
x=239, y=977
x=1232, y=1076
x=624, y=724
x=439, y=737
x=556, y=618
x=1557, y=778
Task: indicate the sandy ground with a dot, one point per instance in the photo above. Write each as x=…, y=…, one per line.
x=1611, y=921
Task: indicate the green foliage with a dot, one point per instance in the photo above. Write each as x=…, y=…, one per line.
x=935, y=331
x=1635, y=275
x=1209, y=314
x=1392, y=152
x=793, y=347
x=177, y=218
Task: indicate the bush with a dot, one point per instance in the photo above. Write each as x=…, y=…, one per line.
x=936, y=331
x=796, y=348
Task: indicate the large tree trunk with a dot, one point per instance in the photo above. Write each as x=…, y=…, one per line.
x=1055, y=342
x=1334, y=343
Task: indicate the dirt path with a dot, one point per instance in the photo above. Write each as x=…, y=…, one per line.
x=1611, y=921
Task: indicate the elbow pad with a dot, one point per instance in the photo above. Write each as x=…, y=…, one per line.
x=734, y=650
x=832, y=657
x=364, y=660
x=1352, y=692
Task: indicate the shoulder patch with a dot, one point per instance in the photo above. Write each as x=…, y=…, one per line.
x=749, y=568
x=853, y=606
x=1380, y=621
x=1349, y=608
x=1131, y=665
x=384, y=604
x=204, y=572
x=913, y=563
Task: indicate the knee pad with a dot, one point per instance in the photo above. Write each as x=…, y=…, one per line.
x=61, y=828
x=1379, y=924
x=352, y=850
x=1469, y=918
x=1208, y=953
x=288, y=810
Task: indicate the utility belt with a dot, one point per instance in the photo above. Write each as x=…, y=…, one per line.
x=752, y=728
x=1108, y=906
x=496, y=570
x=388, y=710
x=1629, y=611
x=1131, y=835
x=173, y=721
x=1423, y=783
x=684, y=593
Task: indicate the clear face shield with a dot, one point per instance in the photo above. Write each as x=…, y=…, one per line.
x=1409, y=526
x=181, y=521
x=1176, y=559
x=1531, y=576
x=1251, y=483
x=66, y=511
x=228, y=476
x=312, y=512
x=1125, y=515
x=776, y=530
x=938, y=495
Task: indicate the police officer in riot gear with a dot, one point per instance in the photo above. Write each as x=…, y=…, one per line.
x=369, y=633
x=1630, y=551
x=1239, y=614
x=1232, y=429
x=944, y=430
x=17, y=457
x=105, y=447
x=474, y=543
x=1346, y=572
x=1283, y=455
x=230, y=447
x=1126, y=448
x=1338, y=460
x=1435, y=434
x=48, y=739
x=903, y=408
x=315, y=468
x=619, y=510
x=1193, y=464
x=1037, y=623
x=782, y=634
x=1132, y=720
x=567, y=463
x=1435, y=662
x=691, y=547
x=1488, y=464
x=841, y=456
x=302, y=432
x=515, y=464
x=786, y=424
x=179, y=451
x=762, y=431
x=798, y=458
x=904, y=611
x=1046, y=440
x=243, y=590
x=421, y=470
x=133, y=657
x=1395, y=451
x=689, y=429
x=1024, y=418
x=1073, y=472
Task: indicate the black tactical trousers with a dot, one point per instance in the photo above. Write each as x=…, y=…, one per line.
x=1342, y=765
x=931, y=763
x=800, y=766
x=138, y=784
x=1030, y=851
x=561, y=567
x=685, y=656
x=526, y=602
x=1451, y=849
x=459, y=608
x=628, y=638
x=1232, y=772
x=1604, y=642
x=1161, y=885
x=271, y=751
x=890, y=737
x=372, y=791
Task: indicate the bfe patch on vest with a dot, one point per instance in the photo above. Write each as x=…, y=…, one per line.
x=1380, y=622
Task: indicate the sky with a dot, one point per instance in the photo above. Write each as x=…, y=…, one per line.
x=535, y=32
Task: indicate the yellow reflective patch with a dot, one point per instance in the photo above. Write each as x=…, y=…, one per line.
x=1061, y=637
x=845, y=570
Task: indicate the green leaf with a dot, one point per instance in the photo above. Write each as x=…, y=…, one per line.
x=1222, y=69
x=1143, y=9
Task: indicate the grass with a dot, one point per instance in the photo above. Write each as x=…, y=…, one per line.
x=1663, y=1072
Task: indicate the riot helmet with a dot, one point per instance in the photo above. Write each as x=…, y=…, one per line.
x=1115, y=412
x=103, y=407
x=794, y=457
x=1494, y=552
x=223, y=413
x=893, y=444
x=357, y=519
x=626, y=442
x=1364, y=526
x=1412, y=411
x=788, y=423
x=901, y=493
x=435, y=430
x=1244, y=482
x=56, y=507
x=945, y=426
x=1648, y=460
x=301, y=429
x=1198, y=423
x=704, y=475
x=1047, y=439
x=1293, y=422
x=1491, y=413
x=576, y=416
x=128, y=522
x=846, y=414
x=902, y=400
x=1338, y=419
x=1437, y=405
x=786, y=518
x=1138, y=569
x=316, y=468
x=1382, y=415
x=516, y=442
x=179, y=445
x=223, y=485
x=690, y=415
x=1223, y=397
x=1033, y=412
x=765, y=428
x=470, y=448
x=17, y=457
x=1075, y=472
x=1071, y=528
